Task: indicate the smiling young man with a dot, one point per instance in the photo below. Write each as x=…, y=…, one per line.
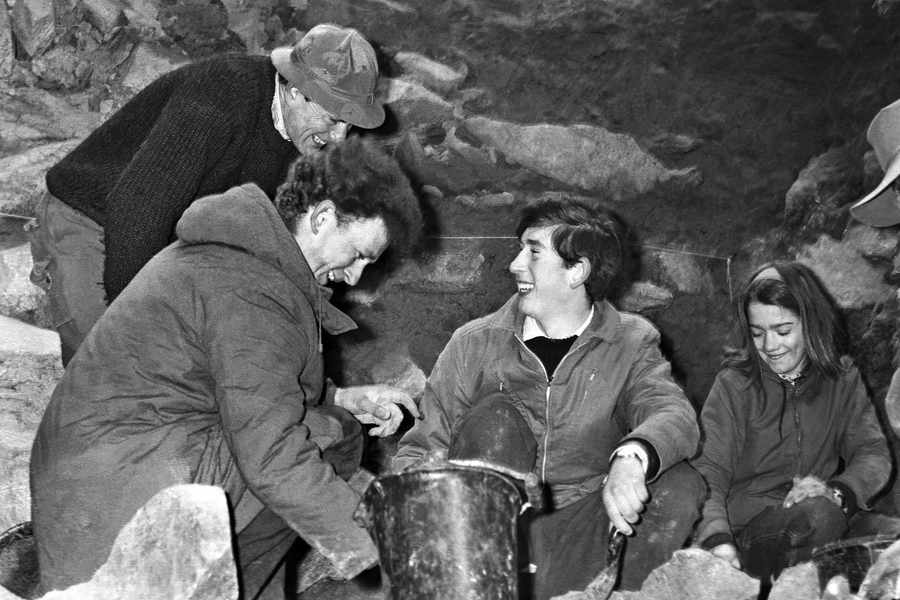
x=606, y=427
x=114, y=200
x=208, y=369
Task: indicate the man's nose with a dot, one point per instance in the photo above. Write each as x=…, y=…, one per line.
x=516, y=264
x=338, y=131
x=353, y=273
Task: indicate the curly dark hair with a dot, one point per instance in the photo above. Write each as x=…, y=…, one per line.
x=362, y=181
x=586, y=231
x=798, y=289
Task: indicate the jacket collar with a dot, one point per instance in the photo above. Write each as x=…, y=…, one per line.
x=605, y=325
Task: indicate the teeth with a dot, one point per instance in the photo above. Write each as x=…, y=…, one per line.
x=317, y=140
x=524, y=288
x=330, y=275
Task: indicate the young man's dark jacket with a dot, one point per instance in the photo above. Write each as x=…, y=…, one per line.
x=205, y=369
x=198, y=130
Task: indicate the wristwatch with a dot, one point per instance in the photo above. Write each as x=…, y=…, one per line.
x=839, y=499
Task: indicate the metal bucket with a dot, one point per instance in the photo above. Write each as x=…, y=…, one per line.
x=851, y=558
x=446, y=534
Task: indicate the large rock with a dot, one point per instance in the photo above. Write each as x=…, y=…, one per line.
x=816, y=202
x=34, y=25
x=412, y=103
x=851, y=279
x=148, y=61
x=800, y=582
x=29, y=369
x=7, y=55
x=31, y=117
x=177, y=546
x=695, y=574
x=434, y=75
x=455, y=269
x=22, y=176
x=590, y=157
x=645, y=297
x=19, y=298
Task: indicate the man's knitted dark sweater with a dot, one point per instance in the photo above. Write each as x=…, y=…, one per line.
x=195, y=131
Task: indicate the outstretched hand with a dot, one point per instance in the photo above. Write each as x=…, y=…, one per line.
x=625, y=493
x=806, y=487
x=377, y=405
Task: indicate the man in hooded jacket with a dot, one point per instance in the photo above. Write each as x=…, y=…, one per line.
x=208, y=369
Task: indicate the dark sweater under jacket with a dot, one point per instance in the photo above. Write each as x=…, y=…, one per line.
x=198, y=130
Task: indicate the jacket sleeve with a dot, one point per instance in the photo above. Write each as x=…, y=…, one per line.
x=658, y=411
x=447, y=397
x=160, y=181
x=724, y=431
x=864, y=448
x=257, y=351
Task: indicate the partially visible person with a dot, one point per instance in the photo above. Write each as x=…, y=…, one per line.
x=792, y=448
x=208, y=368
x=881, y=208
x=560, y=383
x=113, y=201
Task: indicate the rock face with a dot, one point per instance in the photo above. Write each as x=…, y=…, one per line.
x=19, y=298
x=29, y=369
x=589, y=157
x=176, y=546
x=698, y=575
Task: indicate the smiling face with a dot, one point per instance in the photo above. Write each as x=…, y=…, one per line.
x=542, y=277
x=309, y=126
x=777, y=333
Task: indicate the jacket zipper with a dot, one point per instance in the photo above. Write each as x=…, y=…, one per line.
x=546, y=399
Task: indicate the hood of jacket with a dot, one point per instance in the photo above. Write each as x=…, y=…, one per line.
x=244, y=218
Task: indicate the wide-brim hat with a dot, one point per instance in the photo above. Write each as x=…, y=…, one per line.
x=881, y=206
x=336, y=68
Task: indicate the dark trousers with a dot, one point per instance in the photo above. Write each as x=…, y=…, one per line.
x=780, y=537
x=568, y=546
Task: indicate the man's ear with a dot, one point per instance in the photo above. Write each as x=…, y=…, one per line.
x=321, y=214
x=579, y=272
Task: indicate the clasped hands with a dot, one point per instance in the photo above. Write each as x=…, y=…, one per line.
x=377, y=405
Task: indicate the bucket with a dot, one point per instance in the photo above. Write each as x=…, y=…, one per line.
x=18, y=561
x=445, y=534
x=851, y=558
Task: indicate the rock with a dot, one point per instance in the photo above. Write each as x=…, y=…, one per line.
x=882, y=582
x=104, y=15
x=484, y=199
x=149, y=60
x=696, y=574
x=682, y=271
x=412, y=103
x=32, y=116
x=850, y=278
x=816, y=201
x=22, y=176
x=674, y=143
x=837, y=588
x=644, y=297
x=30, y=366
x=434, y=75
x=451, y=270
x=583, y=155
x=19, y=298
x=800, y=582
x=34, y=25
x=177, y=546
x=249, y=21
x=200, y=27
x=62, y=67
x=878, y=243
x=7, y=49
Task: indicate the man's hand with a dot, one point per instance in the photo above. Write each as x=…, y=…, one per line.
x=729, y=553
x=807, y=487
x=625, y=493
x=376, y=405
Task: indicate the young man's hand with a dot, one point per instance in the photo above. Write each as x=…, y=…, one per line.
x=377, y=405
x=806, y=487
x=625, y=493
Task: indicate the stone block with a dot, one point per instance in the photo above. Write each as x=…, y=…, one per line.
x=434, y=75
x=851, y=279
x=19, y=298
x=177, y=546
x=695, y=574
x=22, y=176
x=590, y=157
x=30, y=366
x=33, y=22
x=413, y=104
x=7, y=56
x=800, y=582
x=644, y=297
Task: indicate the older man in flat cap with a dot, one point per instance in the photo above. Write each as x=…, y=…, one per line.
x=201, y=129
